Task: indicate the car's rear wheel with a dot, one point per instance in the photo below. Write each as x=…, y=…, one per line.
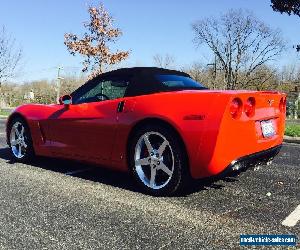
x=20, y=141
x=157, y=160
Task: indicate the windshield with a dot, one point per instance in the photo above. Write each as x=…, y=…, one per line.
x=178, y=82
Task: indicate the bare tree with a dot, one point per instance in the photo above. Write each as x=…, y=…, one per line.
x=71, y=83
x=241, y=43
x=263, y=78
x=10, y=56
x=197, y=71
x=94, y=43
x=206, y=74
x=289, y=73
x=166, y=61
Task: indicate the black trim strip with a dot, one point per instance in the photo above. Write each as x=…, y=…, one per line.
x=248, y=160
x=121, y=106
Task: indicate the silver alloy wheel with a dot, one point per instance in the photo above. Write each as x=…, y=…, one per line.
x=154, y=161
x=17, y=140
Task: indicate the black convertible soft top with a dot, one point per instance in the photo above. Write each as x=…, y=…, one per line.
x=143, y=71
x=142, y=79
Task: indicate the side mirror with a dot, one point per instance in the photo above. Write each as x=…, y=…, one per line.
x=66, y=100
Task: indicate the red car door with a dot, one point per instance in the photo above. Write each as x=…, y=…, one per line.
x=86, y=129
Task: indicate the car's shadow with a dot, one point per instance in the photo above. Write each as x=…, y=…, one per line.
x=117, y=179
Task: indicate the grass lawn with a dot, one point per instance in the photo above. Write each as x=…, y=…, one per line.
x=292, y=129
x=4, y=112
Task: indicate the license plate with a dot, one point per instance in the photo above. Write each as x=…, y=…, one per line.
x=267, y=128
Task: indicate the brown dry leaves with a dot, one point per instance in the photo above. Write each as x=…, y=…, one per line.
x=94, y=43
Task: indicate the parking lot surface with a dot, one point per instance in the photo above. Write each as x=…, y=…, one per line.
x=57, y=204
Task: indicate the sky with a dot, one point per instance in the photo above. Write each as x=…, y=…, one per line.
x=149, y=27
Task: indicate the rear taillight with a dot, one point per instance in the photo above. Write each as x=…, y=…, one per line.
x=249, y=107
x=282, y=104
x=236, y=108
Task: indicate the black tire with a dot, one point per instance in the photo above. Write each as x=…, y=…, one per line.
x=28, y=152
x=180, y=170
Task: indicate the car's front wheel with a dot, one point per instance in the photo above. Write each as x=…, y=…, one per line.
x=20, y=141
x=157, y=160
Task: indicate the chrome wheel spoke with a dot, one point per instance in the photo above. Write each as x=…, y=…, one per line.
x=152, y=178
x=162, y=147
x=22, y=132
x=20, y=151
x=148, y=144
x=164, y=168
x=17, y=133
x=13, y=143
x=24, y=145
x=144, y=161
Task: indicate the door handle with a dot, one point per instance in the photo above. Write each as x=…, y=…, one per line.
x=121, y=106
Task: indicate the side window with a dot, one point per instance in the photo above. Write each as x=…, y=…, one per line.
x=90, y=95
x=115, y=88
x=104, y=89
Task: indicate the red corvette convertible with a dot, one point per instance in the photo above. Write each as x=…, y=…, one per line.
x=159, y=124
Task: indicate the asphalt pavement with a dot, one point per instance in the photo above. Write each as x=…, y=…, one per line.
x=58, y=204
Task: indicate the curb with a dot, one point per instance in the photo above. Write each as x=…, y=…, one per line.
x=290, y=139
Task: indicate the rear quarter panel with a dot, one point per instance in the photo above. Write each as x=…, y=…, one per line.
x=213, y=139
x=195, y=116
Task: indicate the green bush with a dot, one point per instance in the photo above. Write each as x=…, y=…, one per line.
x=292, y=130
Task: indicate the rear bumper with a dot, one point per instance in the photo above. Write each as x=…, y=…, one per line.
x=262, y=157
